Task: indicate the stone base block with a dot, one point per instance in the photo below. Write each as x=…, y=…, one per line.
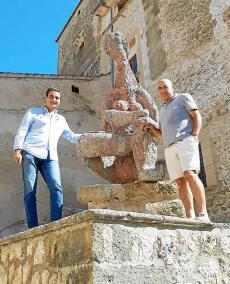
x=105, y=246
x=168, y=208
x=127, y=197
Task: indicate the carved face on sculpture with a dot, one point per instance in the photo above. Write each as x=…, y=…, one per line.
x=116, y=46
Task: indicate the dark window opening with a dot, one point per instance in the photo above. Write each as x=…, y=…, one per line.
x=75, y=89
x=82, y=45
x=134, y=66
x=202, y=174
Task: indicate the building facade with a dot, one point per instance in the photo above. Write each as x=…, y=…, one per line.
x=186, y=41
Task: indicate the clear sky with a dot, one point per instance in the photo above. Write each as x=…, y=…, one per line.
x=28, y=30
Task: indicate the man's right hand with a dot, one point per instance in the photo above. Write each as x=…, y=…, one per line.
x=17, y=157
x=151, y=127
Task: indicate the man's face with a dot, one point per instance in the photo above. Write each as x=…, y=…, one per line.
x=52, y=101
x=165, y=90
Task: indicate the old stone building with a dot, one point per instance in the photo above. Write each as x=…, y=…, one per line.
x=187, y=41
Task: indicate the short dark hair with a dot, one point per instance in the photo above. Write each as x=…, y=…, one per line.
x=50, y=89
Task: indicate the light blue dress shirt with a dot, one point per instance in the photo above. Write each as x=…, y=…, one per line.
x=40, y=131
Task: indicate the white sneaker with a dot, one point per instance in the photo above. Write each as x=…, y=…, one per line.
x=203, y=217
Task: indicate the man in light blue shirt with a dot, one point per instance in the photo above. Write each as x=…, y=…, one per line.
x=35, y=149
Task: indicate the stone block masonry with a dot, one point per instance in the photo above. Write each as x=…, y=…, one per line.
x=83, y=60
x=145, y=197
x=105, y=246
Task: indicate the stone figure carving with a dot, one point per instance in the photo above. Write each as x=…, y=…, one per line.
x=132, y=151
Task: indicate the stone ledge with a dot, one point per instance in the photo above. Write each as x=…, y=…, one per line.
x=127, y=197
x=169, y=208
x=153, y=190
x=113, y=216
x=48, y=76
x=100, y=246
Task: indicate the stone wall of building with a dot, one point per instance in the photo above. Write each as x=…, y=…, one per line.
x=195, y=36
x=135, y=33
x=188, y=42
x=79, y=42
x=81, y=110
x=155, y=51
x=105, y=246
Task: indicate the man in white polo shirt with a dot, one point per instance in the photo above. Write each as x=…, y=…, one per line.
x=179, y=126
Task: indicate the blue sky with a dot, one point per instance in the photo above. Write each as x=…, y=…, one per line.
x=28, y=30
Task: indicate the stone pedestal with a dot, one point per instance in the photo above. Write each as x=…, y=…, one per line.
x=148, y=197
x=104, y=246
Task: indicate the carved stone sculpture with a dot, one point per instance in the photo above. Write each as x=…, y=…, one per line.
x=123, y=153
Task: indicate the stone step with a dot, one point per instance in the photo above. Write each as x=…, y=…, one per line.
x=169, y=208
x=150, y=197
x=104, y=246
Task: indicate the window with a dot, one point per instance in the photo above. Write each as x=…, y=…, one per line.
x=75, y=89
x=134, y=65
x=79, y=41
x=121, y=5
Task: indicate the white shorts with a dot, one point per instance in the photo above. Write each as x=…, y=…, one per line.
x=182, y=156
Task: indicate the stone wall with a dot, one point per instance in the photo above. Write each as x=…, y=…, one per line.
x=83, y=26
x=195, y=38
x=135, y=31
x=155, y=51
x=104, y=246
x=20, y=91
x=188, y=42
